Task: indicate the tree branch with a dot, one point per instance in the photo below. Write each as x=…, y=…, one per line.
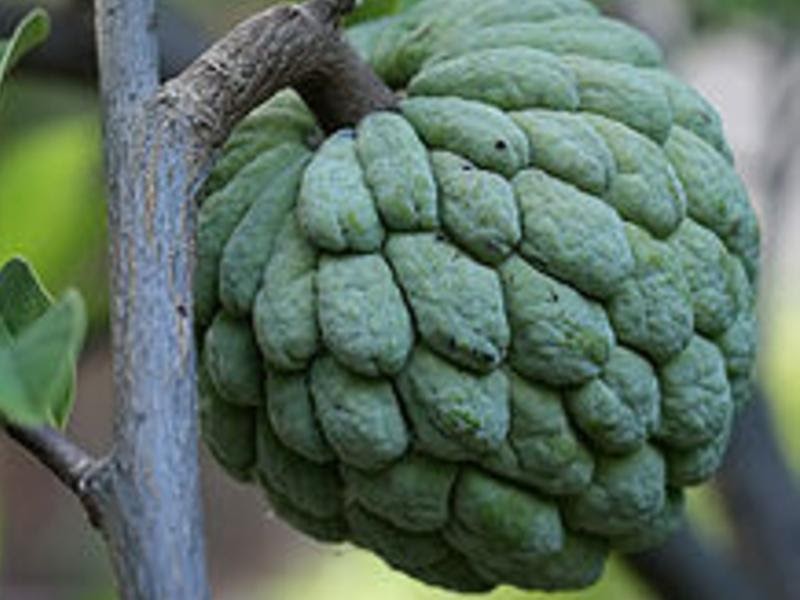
x=763, y=501
x=152, y=521
x=684, y=568
x=69, y=51
x=67, y=461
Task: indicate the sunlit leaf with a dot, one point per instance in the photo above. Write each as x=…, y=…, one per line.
x=30, y=32
x=39, y=346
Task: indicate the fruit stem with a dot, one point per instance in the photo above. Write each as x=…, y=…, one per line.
x=298, y=46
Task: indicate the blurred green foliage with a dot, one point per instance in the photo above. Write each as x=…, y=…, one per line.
x=51, y=204
x=785, y=13
x=781, y=375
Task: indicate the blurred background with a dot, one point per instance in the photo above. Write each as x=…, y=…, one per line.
x=743, y=55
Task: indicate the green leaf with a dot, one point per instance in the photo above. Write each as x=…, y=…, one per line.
x=39, y=346
x=23, y=299
x=30, y=32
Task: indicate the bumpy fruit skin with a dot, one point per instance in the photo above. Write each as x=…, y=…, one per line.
x=494, y=334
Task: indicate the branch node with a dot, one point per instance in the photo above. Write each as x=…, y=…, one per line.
x=72, y=465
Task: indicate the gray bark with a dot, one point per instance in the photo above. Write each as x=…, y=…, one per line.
x=151, y=516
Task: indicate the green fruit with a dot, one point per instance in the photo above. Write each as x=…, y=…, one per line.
x=493, y=335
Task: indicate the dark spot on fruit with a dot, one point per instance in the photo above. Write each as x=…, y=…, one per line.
x=485, y=357
x=500, y=145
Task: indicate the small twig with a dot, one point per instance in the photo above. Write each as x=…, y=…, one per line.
x=72, y=465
